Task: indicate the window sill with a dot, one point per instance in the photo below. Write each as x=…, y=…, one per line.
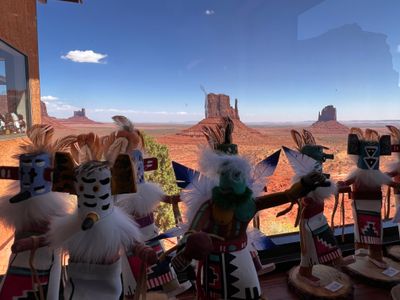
x=8, y=137
x=287, y=250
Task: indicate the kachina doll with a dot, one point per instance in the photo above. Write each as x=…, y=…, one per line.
x=262, y=170
x=366, y=181
x=394, y=171
x=97, y=232
x=219, y=215
x=141, y=206
x=34, y=269
x=317, y=241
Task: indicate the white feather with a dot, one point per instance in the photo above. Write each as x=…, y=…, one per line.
x=259, y=179
x=302, y=164
x=103, y=241
x=195, y=195
x=320, y=193
x=33, y=211
x=369, y=178
x=148, y=197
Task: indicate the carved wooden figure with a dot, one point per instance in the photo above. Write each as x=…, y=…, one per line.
x=219, y=207
x=317, y=241
x=141, y=206
x=366, y=182
x=394, y=172
x=96, y=233
x=34, y=269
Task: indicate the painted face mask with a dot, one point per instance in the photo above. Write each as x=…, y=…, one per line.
x=93, y=188
x=33, y=170
x=232, y=180
x=369, y=155
x=316, y=152
x=137, y=158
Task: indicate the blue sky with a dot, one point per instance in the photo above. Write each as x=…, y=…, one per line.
x=283, y=59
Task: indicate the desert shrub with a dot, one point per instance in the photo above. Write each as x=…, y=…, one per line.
x=164, y=176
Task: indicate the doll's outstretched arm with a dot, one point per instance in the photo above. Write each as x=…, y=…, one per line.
x=298, y=190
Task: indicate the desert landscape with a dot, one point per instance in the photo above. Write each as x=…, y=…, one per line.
x=255, y=142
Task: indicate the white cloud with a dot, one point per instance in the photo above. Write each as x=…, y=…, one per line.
x=48, y=98
x=59, y=106
x=209, y=12
x=86, y=56
x=55, y=106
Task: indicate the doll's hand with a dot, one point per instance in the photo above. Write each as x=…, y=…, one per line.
x=198, y=246
x=146, y=253
x=341, y=183
x=313, y=180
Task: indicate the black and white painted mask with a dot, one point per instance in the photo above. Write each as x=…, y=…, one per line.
x=93, y=188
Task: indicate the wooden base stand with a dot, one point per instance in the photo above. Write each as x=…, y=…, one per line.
x=394, y=252
x=367, y=271
x=326, y=275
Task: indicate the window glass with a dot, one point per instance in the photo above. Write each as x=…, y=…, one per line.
x=13, y=92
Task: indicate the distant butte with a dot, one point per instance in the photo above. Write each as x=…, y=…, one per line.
x=79, y=117
x=46, y=119
x=327, y=122
x=217, y=106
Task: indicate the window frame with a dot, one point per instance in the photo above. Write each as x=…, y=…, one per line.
x=28, y=102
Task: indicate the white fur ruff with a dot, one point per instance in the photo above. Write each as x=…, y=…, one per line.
x=369, y=178
x=323, y=193
x=145, y=201
x=103, y=241
x=33, y=211
x=195, y=195
x=212, y=164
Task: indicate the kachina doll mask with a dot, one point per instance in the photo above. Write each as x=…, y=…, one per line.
x=35, y=163
x=34, y=170
x=94, y=182
x=306, y=145
x=368, y=148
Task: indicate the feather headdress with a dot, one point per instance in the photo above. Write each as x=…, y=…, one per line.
x=219, y=137
x=86, y=147
x=40, y=139
x=125, y=140
x=395, y=133
x=304, y=139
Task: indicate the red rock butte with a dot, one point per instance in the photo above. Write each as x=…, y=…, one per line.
x=217, y=106
x=327, y=122
x=79, y=117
